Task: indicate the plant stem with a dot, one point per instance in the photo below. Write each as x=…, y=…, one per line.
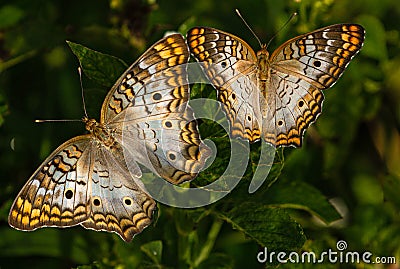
x=209, y=244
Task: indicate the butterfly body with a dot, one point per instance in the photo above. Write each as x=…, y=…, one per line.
x=100, y=132
x=275, y=96
x=263, y=70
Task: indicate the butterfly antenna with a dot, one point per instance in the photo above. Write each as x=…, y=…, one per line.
x=248, y=26
x=57, y=120
x=83, y=100
x=83, y=95
x=282, y=27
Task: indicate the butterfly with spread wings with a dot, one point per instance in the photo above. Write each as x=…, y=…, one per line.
x=94, y=179
x=274, y=97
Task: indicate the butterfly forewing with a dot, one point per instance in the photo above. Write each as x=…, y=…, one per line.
x=136, y=86
x=149, y=104
x=229, y=64
x=288, y=84
x=320, y=57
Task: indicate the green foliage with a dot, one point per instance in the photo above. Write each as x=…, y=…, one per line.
x=10, y=15
x=102, y=69
x=342, y=184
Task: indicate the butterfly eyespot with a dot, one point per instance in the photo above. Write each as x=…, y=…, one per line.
x=168, y=124
x=223, y=64
x=171, y=156
x=69, y=194
x=157, y=96
x=233, y=96
x=128, y=201
x=301, y=103
x=317, y=63
x=280, y=122
x=248, y=117
x=96, y=202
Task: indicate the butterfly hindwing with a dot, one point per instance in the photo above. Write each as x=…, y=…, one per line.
x=300, y=69
x=291, y=109
x=57, y=194
x=82, y=182
x=118, y=202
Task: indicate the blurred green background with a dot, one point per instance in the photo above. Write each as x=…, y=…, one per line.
x=343, y=184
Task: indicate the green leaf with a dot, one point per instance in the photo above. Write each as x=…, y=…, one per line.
x=300, y=195
x=153, y=250
x=44, y=243
x=367, y=189
x=375, y=38
x=268, y=164
x=101, y=68
x=270, y=226
x=391, y=187
x=219, y=166
x=10, y=15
